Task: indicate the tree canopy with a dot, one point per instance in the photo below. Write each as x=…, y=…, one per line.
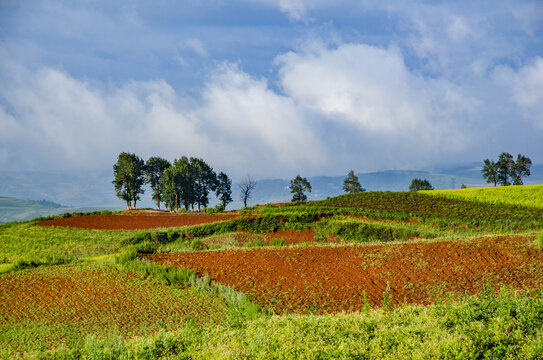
x=490, y=171
x=351, y=184
x=224, y=189
x=129, y=178
x=154, y=168
x=420, y=184
x=186, y=182
x=506, y=171
x=298, y=187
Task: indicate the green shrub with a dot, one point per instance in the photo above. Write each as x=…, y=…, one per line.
x=49, y=260
x=540, y=240
x=277, y=242
x=196, y=245
x=360, y=231
x=212, y=210
x=146, y=247
x=254, y=243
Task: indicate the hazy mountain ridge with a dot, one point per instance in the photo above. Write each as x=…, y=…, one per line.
x=92, y=189
x=13, y=209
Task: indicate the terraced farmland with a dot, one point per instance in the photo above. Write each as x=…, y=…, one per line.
x=418, y=204
x=337, y=279
x=396, y=269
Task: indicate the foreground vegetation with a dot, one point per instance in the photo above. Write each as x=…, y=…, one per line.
x=504, y=326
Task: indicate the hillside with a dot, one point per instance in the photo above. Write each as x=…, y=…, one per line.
x=13, y=209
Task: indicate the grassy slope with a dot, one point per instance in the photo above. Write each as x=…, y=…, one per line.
x=28, y=241
x=524, y=195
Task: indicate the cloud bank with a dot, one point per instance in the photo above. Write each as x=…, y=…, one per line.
x=426, y=85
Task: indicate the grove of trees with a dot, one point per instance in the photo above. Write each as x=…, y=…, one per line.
x=298, y=187
x=185, y=182
x=506, y=171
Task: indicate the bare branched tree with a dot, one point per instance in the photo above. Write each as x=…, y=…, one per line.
x=246, y=185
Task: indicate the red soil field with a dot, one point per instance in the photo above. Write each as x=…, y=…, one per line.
x=332, y=279
x=136, y=222
x=50, y=303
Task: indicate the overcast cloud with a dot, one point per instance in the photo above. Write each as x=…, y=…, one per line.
x=271, y=88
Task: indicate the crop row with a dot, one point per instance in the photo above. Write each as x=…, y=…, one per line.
x=417, y=204
x=58, y=304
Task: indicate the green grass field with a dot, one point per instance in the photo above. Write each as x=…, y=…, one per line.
x=27, y=241
x=525, y=195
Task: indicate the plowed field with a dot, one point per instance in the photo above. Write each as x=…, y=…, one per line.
x=59, y=304
x=333, y=279
x=136, y=222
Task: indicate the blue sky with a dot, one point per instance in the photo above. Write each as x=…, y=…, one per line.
x=270, y=87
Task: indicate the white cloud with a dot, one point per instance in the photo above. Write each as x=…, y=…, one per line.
x=240, y=125
x=197, y=47
x=372, y=89
x=351, y=106
x=525, y=87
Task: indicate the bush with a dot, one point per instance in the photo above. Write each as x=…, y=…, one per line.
x=540, y=241
x=355, y=230
x=254, y=243
x=196, y=245
x=277, y=242
x=211, y=210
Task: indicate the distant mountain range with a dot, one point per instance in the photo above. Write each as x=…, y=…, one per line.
x=93, y=189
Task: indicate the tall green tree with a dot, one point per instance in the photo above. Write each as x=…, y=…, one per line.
x=490, y=171
x=351, y=184
x=154, y=168
x=521, y=169
x=224, y=189
x=171, y=188
x=205, y=181
x=298, y=187
x=187, y=179
x=505, y=167
x=420, y=184
x=129, y=178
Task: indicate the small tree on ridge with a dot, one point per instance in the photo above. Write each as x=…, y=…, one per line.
x=419, y=184
x=246, y=187
x=297, y=187
x=351, y=184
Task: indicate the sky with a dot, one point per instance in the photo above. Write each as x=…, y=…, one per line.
x=271, y=88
